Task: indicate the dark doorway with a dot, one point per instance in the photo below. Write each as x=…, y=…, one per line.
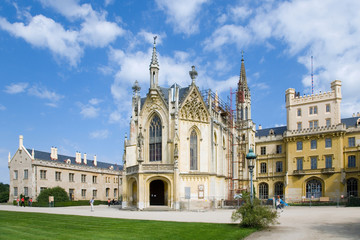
x=157, y=190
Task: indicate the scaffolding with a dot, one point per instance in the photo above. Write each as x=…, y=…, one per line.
x=235, y=142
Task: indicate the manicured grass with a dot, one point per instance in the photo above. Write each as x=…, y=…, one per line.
x=20, y=225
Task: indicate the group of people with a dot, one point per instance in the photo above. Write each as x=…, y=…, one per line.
x=21, y=202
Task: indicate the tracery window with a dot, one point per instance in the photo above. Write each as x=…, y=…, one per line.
x=193, y=150
x=155, y=139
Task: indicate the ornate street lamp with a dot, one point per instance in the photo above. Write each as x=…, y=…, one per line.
x=251, y=157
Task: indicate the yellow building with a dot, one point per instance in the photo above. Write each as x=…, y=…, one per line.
x=315, y=156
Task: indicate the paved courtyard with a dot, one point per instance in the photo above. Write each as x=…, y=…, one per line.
x=295, y=222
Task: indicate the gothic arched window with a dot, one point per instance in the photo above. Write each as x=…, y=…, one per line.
x=246, y=113
x=155, y=139
x=193, y=150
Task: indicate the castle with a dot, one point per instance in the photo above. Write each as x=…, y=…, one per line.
x=187, y=149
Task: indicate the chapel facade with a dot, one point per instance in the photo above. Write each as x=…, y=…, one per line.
x=182, y=151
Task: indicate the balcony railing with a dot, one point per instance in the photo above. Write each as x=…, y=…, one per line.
x=299, y=172
x=146, y=168
x=328, y=170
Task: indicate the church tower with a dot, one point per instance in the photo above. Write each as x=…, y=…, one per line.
x=154, y=68
x=245, y=127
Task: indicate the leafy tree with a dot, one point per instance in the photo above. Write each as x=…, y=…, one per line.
x=60, y=195
x=4, y=192
x=254, y=215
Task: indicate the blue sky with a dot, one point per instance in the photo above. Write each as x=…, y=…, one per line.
x=67, y=67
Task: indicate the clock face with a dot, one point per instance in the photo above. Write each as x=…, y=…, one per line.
x=201, y=187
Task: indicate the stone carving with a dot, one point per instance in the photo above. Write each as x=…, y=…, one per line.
x=140, y=145
x=194, y=109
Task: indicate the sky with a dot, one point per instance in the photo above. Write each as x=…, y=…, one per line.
x=67, y=67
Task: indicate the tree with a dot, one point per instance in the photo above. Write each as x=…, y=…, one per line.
x=60, y=195
x=254, y=215
x=4, y=192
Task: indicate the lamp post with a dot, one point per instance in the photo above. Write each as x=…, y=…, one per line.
x=251, y=162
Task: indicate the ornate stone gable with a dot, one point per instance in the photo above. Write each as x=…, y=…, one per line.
x=194, y=108
x=153, y=102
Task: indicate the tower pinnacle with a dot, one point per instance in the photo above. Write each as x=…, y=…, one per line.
x=154, y=67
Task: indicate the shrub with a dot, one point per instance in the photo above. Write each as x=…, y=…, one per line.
x=254, y=215
x=4, y=192
x=353, y=202
x=60, y=195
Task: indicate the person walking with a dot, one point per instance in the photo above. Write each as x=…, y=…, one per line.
x=92, y=204
x=18, y=202
x=30, y=202
x=278, y=204
x=109, y=202
x=23, y=201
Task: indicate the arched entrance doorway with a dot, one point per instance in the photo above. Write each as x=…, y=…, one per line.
x=157, y=192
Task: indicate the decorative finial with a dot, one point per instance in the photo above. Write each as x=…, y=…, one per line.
x=136, y=88
x=193, y=74
x=155, y=37
x=242, y=55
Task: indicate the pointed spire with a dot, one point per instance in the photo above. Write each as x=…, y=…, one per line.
x=154, y=60
x=242, y=79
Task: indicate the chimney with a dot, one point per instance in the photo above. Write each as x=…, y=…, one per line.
x=358, y=114
x=260, y=127
x=95, y=162
x=52, y=153
x=21, y=141
x=55, y=153
x=9, y=157
x=33, y=154
x=85, y=161
x=78, y=157
x=353, y=115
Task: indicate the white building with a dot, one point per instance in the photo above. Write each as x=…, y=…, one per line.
x=31, y=171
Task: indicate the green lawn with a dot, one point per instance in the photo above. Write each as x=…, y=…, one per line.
x=20, y=225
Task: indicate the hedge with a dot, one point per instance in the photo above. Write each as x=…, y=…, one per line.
x=65, y=204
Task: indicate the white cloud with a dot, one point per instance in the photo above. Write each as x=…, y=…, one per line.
x=16, y=88
x=228, y=34
x=2, y=107
x=108, y=2
x=41, y=92
x=40, y=31
x=100, y=134
x=46, y=33
x=90, y=110
x=95, y=101
x=183, y=15
x=328, y=30
x=44, y=93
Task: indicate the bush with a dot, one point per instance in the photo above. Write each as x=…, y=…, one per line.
x=60, y=195
x=255, y=215
x=68, y=203
x=4, y=192
x=353, y=202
